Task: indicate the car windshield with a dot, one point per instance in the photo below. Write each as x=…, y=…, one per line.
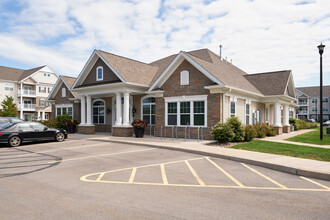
x=5, y=126
x=3, y=121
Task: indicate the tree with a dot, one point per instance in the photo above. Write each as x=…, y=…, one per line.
x=9, y=108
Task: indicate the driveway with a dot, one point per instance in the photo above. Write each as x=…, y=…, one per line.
x=89, y=179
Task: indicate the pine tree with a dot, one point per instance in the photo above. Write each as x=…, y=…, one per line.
x=9, y=108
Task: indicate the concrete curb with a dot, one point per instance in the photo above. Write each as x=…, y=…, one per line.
x=286, y=169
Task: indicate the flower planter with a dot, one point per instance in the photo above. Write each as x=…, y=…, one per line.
x=71, y=128
x=139, y=132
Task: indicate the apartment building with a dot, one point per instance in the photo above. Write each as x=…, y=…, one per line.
x=30, y=89
x=309, y=102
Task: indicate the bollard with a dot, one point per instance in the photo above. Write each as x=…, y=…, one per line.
x=161, y=132
x=172, y=133
x=198, y=132
x=185, y=133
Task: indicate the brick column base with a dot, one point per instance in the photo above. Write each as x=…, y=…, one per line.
x=122, y=131
x=286, y=129
x=86, y=129
x=278, y=130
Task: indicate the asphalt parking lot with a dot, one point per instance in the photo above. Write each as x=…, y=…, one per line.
x=88, y=179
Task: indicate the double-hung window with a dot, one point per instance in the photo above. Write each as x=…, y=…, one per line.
x=232, y=109
x=314, y=100
x=247, y=114
x=148, y=110
x=188, y=111
x=9, y=87
x=42, y=89
x=65, y=110
x=42, y=103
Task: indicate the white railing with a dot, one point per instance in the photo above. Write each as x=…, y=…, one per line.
x=26, y=92
x=27, y=106
x=302, y=103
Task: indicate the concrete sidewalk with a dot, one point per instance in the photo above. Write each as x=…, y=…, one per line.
x=293, y=165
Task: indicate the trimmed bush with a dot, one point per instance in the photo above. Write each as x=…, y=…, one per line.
x=222, y=132
x=250, y=133
x=236, y=125
x=52, y=123
x=61, y=121
x=293, y=121
x=271, y=131
x=261, y=130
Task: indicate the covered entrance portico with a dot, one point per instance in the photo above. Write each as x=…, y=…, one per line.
x=108, y=108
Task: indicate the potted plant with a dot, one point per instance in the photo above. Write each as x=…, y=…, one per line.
x=139, y=126
x=71, y=125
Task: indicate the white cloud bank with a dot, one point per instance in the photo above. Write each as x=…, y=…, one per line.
x=259, y=36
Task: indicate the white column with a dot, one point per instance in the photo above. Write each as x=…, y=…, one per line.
x=286, y=115
x=89, y=111
x=118, y=109
x=82, y=111
x=126, y=108
x=22, y=104
x=38, y=115
x=43, y=115
x=277, y=115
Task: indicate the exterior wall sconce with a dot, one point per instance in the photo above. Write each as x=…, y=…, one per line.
x=108, y=111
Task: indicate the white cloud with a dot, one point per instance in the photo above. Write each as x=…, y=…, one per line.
x=260, y=35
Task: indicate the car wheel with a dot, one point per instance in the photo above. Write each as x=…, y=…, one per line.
x=15, y=141
x=60, y=137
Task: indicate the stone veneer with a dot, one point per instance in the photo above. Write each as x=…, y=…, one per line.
x=286, y=129
x=279, y=130
x=86, y=129
x=122, y=131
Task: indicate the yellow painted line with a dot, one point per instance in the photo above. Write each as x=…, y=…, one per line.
x=70, y=148
x=162, y=168
x=102, y=155
x=84, y=178
x=211, y=186
x=131, y=179
x=200, y=181
x=264, y=176
x=316, y=183
x=100, y=177
x=225, y=172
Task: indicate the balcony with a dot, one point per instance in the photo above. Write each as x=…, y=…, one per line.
x=27, y=93
x=302, y=103
x=27, y=107
x=302, y=112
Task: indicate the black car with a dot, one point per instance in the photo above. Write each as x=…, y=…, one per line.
x=5, y=120
x=16, y=133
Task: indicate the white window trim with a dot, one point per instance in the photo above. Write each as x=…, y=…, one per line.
x=230, y=114
x=44, y=103
x=105, y=111
x=64, y=106
x=97, y=75
x=145, y=97
x=63, y=92
x=190, y=99
x=10, y=87
x=184, y=77
x=247, y=122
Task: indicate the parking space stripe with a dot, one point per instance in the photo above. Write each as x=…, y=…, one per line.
x=131, y=179
x=162, y=168
x=264, y=176
x=316, y=183
x=101, y=155
x=53, y=150
x=227, y=174
x=200, y=181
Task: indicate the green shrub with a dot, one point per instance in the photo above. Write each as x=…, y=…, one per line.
x=222, y=132
x=236, y=125
x=61, y=121
x=261, y=130
x=52, y=123
x=313, y=124
x=250, y=133
x=293, y=121
x=271, y=131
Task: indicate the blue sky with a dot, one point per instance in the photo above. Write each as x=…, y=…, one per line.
x=257, y=35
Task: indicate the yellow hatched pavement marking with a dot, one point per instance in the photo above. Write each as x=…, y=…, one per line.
x=225, y=172
x=316, y=183
x=200, y=181
x=162, y=168
x=101, y=155
x=70, y=148
x=131, y=179
x=100, y=177
x=264, y=176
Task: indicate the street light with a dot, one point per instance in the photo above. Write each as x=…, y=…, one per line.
x=321, y=50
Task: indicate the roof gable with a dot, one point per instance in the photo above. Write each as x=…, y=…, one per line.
x=68, y=82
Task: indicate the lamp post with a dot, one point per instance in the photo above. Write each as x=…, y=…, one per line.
x=321, y=49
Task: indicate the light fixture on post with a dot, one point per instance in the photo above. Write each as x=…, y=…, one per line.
x=321, y=50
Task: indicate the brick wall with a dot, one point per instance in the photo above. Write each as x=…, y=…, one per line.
x=122, y=131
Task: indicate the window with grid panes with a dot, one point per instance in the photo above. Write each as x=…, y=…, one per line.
x=148, y=110
x=184, y=113
x=199, y=113
x=172, y=113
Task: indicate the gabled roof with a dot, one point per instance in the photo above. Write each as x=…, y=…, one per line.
x=314, y=91
x=68, y=81
x=14, y=74
x=270, y=83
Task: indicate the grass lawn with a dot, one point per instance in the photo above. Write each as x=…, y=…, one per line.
x=312, y=137
x=293, y=150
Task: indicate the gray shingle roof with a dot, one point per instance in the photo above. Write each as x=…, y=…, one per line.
x=70, y=81
x=314, y=91
x=14, y=74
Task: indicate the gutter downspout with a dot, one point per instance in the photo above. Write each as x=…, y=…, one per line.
x=21, y=112
x=223, y=107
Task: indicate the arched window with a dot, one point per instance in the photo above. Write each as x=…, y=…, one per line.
x=99, y=73
x=99, y=112
x=148, y=110
x=63, y=92
x=184, y=77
